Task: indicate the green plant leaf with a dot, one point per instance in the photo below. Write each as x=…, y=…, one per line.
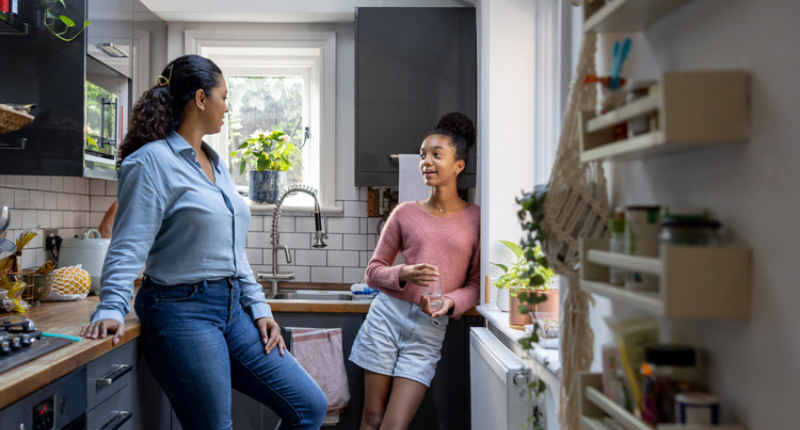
x=513, y=247
x=502, y=266
x=67, y=21
x=242, y=167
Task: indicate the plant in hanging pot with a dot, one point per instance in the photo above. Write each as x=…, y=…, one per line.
x=271, y=155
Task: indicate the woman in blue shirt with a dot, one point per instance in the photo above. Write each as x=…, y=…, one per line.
x=205, y=322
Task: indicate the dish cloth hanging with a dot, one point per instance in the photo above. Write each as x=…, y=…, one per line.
x=319, y=351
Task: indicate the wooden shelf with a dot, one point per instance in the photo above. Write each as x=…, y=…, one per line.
x=595, y=408
x=694, y=281
x=626, y=16
x=12, y=26
x=692, y=109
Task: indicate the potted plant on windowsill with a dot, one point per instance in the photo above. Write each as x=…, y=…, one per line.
x=511, y=280
x=271, y=155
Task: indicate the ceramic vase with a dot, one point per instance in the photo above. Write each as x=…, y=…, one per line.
x=266, y=186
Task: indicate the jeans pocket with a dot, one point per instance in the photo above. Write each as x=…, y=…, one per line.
x=439, y=322
x=176, y=293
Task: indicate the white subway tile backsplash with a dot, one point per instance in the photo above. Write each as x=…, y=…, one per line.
x=29, y=219
x=355, y=242
x=97, y=187
x=285, y=224
x=311, y=257
x=37, y=200
x=43, y=183
x=343, y=258
x=258, y=240
x=254, y=255
x=305, y=224
x=50, y=201
x=56, y=184
x=75, y=203
x=326, y=274
x=63, y=202
x=334, y=241
x=56, y=219
x=16, y=220
x=363, y=259
x=101, y=204
x=43, y=219
x=95, y=218
x=14, y=181
x=29, y=182
x=343, y=225
x=363, y=227
x=22, y=199
x=371, y=241
x=296, y=240
x=353, y=275
x=301, y=274
x=69, y=185
x=364, y=193
x=111, y=188
x=82, y=185
x=355, y=209
x=7, y=197
x=256, y=223
x=2, y=180
x=372, y=225
x=86, y=203
x=347, y=192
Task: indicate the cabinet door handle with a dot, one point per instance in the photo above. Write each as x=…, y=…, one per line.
x=114, y=423
x=110, y=377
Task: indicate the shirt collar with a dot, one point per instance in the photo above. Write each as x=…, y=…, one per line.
x=179, y=144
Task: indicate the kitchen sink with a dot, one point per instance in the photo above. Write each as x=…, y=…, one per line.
x=314, y=295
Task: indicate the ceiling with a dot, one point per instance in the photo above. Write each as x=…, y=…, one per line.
x=305, y=11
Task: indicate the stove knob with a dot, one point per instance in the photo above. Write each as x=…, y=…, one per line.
x=5, y=347
x=26, y=340
x=15, y=344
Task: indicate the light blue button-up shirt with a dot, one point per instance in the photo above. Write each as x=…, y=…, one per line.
x=185, y=227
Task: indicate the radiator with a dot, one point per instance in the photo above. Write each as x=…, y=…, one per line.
x=498, y=381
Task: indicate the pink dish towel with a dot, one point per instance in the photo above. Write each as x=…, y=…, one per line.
x=319, y=351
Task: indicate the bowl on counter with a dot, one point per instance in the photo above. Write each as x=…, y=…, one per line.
x=38, y=287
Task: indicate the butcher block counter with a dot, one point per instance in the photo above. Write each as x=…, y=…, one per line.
x=67, y=318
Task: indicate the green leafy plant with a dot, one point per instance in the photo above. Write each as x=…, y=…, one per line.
x=267, y=152
x=521, y=274
x=59, y=23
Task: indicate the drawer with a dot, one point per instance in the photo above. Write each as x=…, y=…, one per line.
x=114, y=413
x=108, y=374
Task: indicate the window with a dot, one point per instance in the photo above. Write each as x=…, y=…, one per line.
x=278, y=82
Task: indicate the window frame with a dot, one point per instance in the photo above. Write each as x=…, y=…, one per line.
x=209, y=42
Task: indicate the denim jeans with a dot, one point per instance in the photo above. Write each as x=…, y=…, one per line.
x=199, y=343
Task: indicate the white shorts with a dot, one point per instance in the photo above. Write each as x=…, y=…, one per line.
x=398, y=339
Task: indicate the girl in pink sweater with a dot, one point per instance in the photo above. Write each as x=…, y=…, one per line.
x=400, y=342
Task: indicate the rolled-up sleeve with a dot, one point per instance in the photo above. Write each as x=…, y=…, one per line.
x=142, y=203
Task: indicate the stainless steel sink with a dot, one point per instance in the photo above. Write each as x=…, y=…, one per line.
x=313, y=295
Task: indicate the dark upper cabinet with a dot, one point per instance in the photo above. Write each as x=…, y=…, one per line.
x=413, y=65
x=81, y=88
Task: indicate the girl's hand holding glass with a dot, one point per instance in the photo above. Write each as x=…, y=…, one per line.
x=425, y=305
x=420, y=274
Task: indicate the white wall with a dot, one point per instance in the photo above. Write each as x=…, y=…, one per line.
x=750, y=187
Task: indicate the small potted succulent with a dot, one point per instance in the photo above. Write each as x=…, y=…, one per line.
x=272, y=156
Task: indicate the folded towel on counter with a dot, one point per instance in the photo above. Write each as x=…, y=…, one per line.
x=319, y=351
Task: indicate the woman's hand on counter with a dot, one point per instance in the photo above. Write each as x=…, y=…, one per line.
x=425, y=305
x=420, y=274
x=270, y=334
x=101, y=327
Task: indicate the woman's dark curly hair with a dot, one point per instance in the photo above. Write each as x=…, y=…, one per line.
x=461, y=131
x=160, y=110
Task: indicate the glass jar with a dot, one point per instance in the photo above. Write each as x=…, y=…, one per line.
x=690, y=231
x=667, y=371
x=647, y=122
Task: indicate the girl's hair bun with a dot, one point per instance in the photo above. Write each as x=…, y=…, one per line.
x=459, y=124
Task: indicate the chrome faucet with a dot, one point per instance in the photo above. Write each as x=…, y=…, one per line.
x=275, y=277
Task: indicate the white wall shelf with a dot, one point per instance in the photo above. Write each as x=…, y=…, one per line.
x=692, y=109
x=595, y=408
x=626, y=16
x=694, y=281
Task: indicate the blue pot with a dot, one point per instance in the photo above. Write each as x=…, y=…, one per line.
x=266, y=186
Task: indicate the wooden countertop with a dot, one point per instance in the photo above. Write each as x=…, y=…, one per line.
x=68, y=318
x=62, y=318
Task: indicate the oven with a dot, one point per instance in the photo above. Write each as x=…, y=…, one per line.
x=60, y=405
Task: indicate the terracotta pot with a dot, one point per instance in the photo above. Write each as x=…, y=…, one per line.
x=546, y=309
x=516, y=320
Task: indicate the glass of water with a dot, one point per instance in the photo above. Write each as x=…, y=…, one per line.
x=434, y=292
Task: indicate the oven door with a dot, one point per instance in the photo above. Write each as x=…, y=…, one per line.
x=79, y=424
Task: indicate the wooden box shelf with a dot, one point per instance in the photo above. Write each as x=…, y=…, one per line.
x=595, y=408
x=694, y=281
x=692, y=109
x=626, y=16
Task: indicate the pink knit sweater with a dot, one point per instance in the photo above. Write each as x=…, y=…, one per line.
x=452, y=243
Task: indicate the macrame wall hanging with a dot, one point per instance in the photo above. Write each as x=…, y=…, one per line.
x=576, y=207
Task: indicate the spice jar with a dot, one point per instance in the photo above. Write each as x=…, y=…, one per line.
x=647, y=122
x=668, y=370
x=689, y=231
x=641, y=238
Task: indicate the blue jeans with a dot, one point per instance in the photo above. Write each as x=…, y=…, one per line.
x=199, y=343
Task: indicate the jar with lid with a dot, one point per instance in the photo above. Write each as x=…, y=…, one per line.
x=667, y=371
x=649, y=121
x=684, y=230
x=616, y=243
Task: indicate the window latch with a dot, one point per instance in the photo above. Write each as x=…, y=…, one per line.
x=306, y=134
